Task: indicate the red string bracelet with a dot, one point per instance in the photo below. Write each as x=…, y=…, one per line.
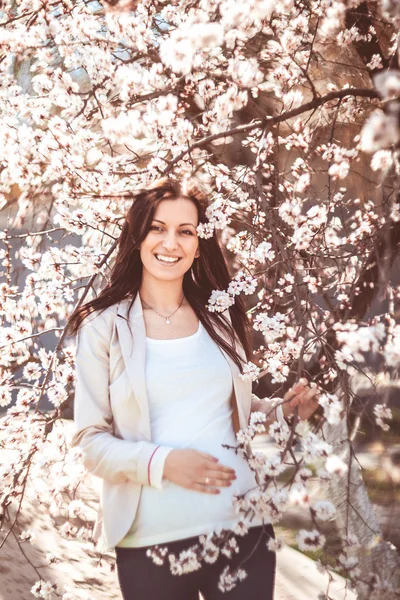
x=148, y=466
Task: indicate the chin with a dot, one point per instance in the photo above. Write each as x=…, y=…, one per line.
x=164, y=275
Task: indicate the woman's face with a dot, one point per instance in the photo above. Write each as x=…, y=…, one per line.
x=172, y=235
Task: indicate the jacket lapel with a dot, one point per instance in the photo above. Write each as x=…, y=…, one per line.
x=133, y=347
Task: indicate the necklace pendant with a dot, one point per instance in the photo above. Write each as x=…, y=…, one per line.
x=167, y=321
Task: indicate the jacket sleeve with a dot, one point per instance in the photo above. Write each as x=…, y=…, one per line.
x=103, y=454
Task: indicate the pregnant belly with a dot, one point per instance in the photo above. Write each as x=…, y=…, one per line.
x=175, y=512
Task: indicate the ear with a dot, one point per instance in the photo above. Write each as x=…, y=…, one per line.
x=197, y=254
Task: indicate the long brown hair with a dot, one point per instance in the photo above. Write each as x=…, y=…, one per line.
x=209, y=272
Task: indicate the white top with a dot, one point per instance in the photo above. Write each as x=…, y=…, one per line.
x=189, y=385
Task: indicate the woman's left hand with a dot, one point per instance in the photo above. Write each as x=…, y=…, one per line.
x=302, y=395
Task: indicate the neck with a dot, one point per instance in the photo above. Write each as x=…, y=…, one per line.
x=162, y=296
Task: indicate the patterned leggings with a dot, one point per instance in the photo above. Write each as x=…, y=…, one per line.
x=141, y=579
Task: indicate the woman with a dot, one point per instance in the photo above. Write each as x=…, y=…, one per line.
x=159, y=391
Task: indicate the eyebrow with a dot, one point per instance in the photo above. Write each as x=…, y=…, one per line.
x=179, y=225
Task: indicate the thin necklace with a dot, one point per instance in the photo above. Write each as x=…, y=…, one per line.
x=167, y=319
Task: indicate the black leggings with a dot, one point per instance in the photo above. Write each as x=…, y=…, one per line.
x=141, y=579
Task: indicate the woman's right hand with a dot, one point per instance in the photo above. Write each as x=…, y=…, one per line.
x=189, y=469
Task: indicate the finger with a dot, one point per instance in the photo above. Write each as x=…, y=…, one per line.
x=215, y=482
x=205, y=489
x=312, y=393
x=315, y=391
x=297, y=399
x=220, y=469
x=290, y=393
x=221, y=474
x=314, y=400
x=295, y=389
x=306, y=396
x=208, y=456
x=301, y=395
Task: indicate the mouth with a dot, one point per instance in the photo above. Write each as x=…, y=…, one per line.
x=169, y=261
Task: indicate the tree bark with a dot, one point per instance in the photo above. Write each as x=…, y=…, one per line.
x=378, y=559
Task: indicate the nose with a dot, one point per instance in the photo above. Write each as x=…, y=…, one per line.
x=170, y=242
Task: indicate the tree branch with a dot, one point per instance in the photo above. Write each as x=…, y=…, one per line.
x=269, y=121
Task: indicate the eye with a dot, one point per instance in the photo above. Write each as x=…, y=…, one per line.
x=187, y=231
x=154, y=227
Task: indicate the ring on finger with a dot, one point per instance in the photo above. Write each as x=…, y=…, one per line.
x=207, y=480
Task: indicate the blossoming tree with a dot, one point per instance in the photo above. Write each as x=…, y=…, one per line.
x=288, y=112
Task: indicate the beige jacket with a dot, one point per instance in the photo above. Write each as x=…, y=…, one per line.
x=111, y=413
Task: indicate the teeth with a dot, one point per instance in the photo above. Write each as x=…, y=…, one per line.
x=166, y=258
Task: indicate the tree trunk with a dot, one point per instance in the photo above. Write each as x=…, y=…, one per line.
x=355, y=514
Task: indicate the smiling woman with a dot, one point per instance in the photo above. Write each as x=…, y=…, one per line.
x=157, y=419
x=162, y=222
x=167, y=253
x=171, y=242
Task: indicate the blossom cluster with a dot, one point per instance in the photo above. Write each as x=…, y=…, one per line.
x=220, y=300
x=97, y=102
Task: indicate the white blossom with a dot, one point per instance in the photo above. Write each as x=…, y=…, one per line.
x=230, y=548
x=277, y=544
x=273, y=465
x=242, y=283
x=246, y=72
x=219, y=301
x=382, y=412
x=375, y=62
x=382, y=160
x=358, y=340
x=387, y=83
x=27, y=535
x=303, y=475
x=348, y=562
x=177, y=52
x=244, y=436
x=44, y=589
x=380, y=131
x=324, y=510
x=336, y=466
x=96, y=103
x=205, y=230
x=227, y=581
x=264, y=252
x=315, y=447
x=298, y=495
x=310, y=540
x=271, y=327
x=206, y=35
x=76, y=509
x=5, y=395
x=280, y=432
x=250, y=372
x=391, y=349
x=333, y=407
x=187, y=562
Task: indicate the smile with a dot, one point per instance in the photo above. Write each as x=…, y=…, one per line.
x=170, y=260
